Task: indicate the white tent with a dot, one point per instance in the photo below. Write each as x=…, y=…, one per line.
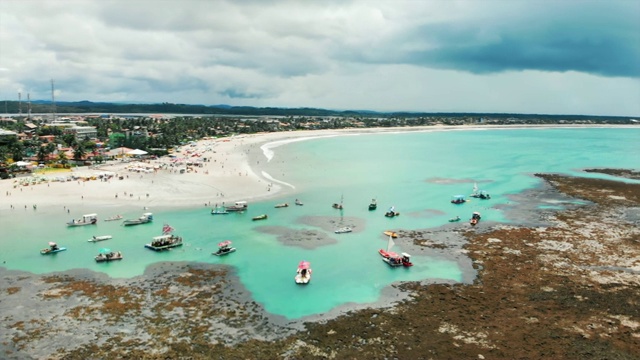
x=22, y=163
x=137, y=152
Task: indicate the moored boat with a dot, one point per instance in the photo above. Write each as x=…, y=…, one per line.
x=113, y=218
x=299, y=203
x=373, y=204
x=52, y=249
x=475, y=218
x=283, y=205
x=303, y=273
x=219, y=211
x=108, y=255
x=454, y=219
x=338, y=205
x=343, y=230
x=260, y=217
x=392, y=212
x=238, y=206
x=396, y=260
x=393, y=234
x=145, y=218
x=224, y=248
x=88, y=219
x=99, y=238
x=458, y=199
x=165, y=241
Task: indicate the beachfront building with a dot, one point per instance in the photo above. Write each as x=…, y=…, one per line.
x=7, y=136
x=82, y=132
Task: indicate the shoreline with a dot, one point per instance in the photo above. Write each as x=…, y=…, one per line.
x=234, y=170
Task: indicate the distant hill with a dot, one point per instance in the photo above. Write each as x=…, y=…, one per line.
x=85, y=106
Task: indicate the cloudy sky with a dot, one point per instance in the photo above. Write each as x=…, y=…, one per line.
x=544, y=56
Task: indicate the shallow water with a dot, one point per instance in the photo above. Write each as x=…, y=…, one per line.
x=418, y=173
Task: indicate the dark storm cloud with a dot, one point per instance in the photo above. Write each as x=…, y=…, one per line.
x=599, y=38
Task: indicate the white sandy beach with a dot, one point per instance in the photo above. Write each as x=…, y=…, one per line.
x=232, y=172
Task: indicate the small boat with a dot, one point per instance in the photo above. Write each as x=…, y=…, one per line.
x=238, y=206
x=88, y=219
x=113, y=218
x=393, y=259
x=338, y=205
x=303, y=273
x=224, y=248
x=108, y=255
x=343, y=230
x=145, y=218
x=391, y=212
x=52, y=249
x=480, y=194
x=373, y=204
x=283, y=205
x=219, y=211
x=454, y=219
x=259, y=217
x=99, y=238
x=166, y=241
x=458, y=199
x=398, y=260
x=391, y=233
x=475, y=218
x=299, y=203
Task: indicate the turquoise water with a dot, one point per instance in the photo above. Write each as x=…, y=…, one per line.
x=418, y=173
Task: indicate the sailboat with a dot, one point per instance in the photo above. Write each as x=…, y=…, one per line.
x=475, y=193
x=393, y=259
x=387, y=253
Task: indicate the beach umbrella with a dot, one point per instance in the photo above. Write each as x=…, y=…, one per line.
x=224, y=243
x=105, y=251
x=304, y=264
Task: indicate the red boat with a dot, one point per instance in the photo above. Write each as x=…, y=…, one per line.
x=392, y=258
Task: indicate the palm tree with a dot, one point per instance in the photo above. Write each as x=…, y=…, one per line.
x=79, y=152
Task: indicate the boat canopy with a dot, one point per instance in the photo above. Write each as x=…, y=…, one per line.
x=161, y=237
x=224, y=243
x=461, y=197
x=304, y=264
x=147, y=214
x=90, y=215
x=406, y=255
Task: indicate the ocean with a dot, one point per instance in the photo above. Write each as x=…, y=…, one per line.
x=417, y=173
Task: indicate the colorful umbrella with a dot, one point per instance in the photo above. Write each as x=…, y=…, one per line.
x=304, y=264
x=224, y=243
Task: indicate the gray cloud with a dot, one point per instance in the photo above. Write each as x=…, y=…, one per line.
x=378, y=55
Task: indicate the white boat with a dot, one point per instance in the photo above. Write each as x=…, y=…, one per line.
x=238, y=206
x=88, y=219
x=224, y=248
x=145, y=218
x=299, y=203
x=343, y=230
x=100, y=238
x=108, y=255
x=166, y=241
x=113, y=218
x=219, y=211
x=303, y=273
